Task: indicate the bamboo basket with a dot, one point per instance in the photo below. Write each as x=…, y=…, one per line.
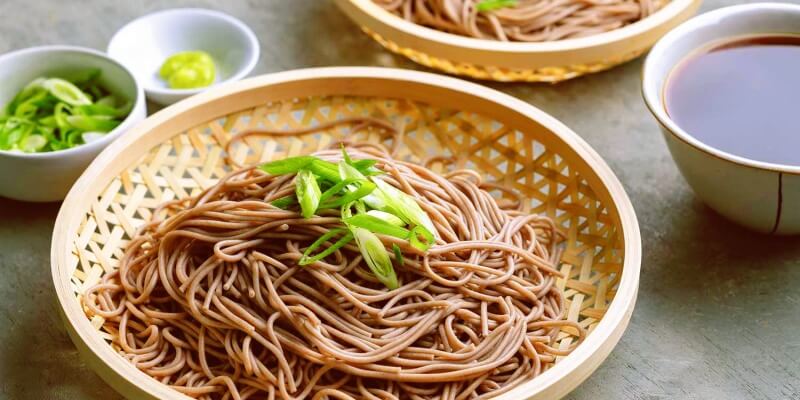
x=177, y=152
x=515, y=61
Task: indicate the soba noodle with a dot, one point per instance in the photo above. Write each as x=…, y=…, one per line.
x=210, y=300
x=527, y=21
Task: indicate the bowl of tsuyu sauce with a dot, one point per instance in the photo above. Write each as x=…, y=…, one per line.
x=725, y=88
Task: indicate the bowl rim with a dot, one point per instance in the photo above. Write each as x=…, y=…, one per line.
x=577, y=366
x=251, y=41
x=671, y=10
x=653, y=96
x=138, y=102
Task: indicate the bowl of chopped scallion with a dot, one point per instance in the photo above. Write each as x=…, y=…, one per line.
x=59, y=107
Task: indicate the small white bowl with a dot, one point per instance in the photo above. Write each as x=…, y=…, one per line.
x=762, y=196
x=146, y=42
x=48, y=176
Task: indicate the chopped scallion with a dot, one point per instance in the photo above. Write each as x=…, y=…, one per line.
x=398, y=255
x=403, y=205
x=375, y=256
x=491, y=5
x=308, y=193
x=308, y=259
x=377, y=225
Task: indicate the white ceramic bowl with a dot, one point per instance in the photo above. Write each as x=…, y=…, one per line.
x=48, y=176
x=144, y=43
x=759, y=195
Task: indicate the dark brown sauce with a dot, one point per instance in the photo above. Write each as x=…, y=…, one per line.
x=741, y=97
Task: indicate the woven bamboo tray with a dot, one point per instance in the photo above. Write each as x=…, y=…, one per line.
x=514, y=61
x=177, y=152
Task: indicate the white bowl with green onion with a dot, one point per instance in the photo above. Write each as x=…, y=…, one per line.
x=180, y=52
x=59, y=107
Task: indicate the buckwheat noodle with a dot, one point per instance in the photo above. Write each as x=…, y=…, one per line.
x=528, y=20
x=209, y=298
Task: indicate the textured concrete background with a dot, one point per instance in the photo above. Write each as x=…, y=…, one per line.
x=718, y=314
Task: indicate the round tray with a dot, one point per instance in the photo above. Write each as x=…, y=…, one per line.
x=177, y=153
x=515, y=61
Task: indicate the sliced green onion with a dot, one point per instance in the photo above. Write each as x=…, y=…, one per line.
x=367, y=167
x=398, y=255
x=325, y=169
x=364, y=164
x=308, y=193
x=345, y=156
x=125, y=109
x=414, y=236
x=85, y=78
x=308, y=259
x=107, y=101
x=347, y=210
x=49, y=122
x=375, y=201
x=375, y=256
x=377, y=225
x=28, y=108
x=289, y=165
x=32, y=88
x=364, y=188
x=333, y=190
x=91, y=136
x=348, y=172
x=72, y=137
x=386, y=217
x=99, y=109
x=66, y=92
x=491, y=5
x=100, y=123
x=285, y=202
x=403, y=205
x=360, y=207
x=60, y=113
x=364, y=167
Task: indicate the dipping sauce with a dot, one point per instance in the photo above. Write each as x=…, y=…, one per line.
x=741, y=97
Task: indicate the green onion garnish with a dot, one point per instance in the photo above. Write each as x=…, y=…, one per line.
x=386, y=217
x=322, y=168
x=308, y=259
x=377, y=225
x=325, y=169
x=308, y=193
x=491, y=5
x=363, y=188
x=416, y=233
x=368, y=206
x=347, y=171
x=398, y=255
x=403, y=205
x=289, y=165
x=285, y=202
x=375, y=256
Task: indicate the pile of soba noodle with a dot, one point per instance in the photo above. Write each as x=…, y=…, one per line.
x=525, y=20
x=210, y=300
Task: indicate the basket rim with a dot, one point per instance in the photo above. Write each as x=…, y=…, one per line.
x=667, y=13
x=577, y=366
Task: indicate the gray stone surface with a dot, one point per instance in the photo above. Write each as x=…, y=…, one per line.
x=718, y=315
